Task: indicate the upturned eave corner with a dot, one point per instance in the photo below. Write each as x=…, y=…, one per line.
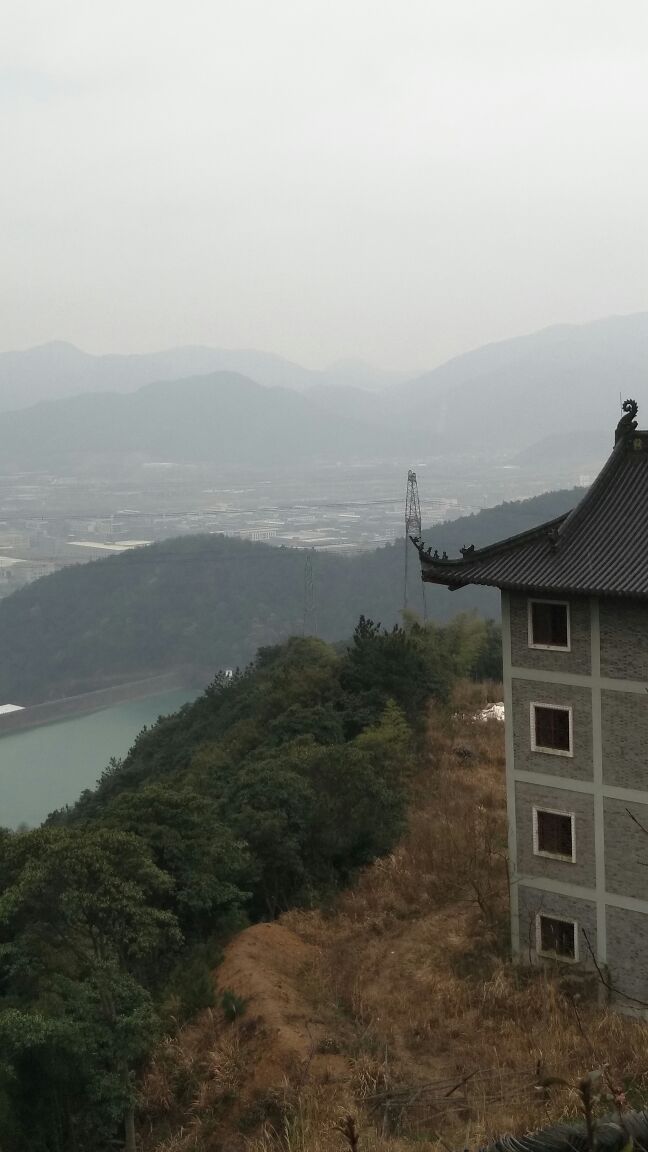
x=437, y=569
x=599, y=548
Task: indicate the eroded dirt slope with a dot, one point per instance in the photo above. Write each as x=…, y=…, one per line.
x=400, y=1007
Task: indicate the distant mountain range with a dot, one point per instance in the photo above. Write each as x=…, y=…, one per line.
x=514, y=393
x=524, y=399
x=222, y=416
x=57, y=370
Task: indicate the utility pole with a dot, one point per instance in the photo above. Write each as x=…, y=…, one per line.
x=412, y=528
x=310, y=620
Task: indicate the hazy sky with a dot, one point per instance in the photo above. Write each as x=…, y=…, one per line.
x=394, y=179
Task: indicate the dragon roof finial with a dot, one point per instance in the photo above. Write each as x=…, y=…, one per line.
x=627, y=423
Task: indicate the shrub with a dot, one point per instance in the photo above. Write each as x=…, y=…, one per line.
x=233, y=1006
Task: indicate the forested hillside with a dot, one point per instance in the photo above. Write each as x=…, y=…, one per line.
x=211, y=601
x=268, y=792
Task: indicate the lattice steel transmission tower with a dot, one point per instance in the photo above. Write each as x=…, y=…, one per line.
x=310, y=618
x=412, y=528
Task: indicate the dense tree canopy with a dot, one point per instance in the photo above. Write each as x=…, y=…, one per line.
x=267, y=792
x=83, y=931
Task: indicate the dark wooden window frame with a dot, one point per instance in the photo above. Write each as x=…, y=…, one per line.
x=553, y=954
x=547, y=749
x=543, y=647
x=538, y=849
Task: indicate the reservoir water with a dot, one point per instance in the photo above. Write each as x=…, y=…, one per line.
x=43, y=768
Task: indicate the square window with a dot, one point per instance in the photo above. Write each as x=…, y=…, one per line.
x=551, y=729
x=556, y=937
x=554, y=834
x=549, y=625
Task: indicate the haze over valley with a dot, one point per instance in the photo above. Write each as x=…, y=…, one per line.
x=323, y=796
x=502, y=397
x=292, y=457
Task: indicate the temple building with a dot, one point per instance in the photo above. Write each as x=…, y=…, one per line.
x=575, y=650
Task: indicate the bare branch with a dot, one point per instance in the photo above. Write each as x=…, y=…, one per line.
x=604, y=980
x=637, y=822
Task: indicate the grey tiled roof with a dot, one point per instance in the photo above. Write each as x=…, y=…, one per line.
x=600, y=547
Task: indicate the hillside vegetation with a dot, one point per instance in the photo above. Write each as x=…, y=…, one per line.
x=268, y=793
x=395, y=1017
x=211, y=601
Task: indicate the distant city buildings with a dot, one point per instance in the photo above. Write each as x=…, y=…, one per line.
x=97, y=550
x=48, y=521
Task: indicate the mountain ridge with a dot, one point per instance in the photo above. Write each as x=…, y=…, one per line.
x=220, y=415
x=57, y=369
x=497, y=400
x=512, y=393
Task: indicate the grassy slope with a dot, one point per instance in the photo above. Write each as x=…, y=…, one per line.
x=378, y=1008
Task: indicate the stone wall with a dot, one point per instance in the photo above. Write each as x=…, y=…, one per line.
x=583, y=912
x=624, y=640
x=627, y=934
x=626, y=848
x=578, y=659
x=625, y=739
x=579, y=765
x=582, y=871
x=624, y=755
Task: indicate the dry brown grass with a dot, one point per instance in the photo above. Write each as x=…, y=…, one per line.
x=191, y=1081
x=410, y=978
x=416, y=958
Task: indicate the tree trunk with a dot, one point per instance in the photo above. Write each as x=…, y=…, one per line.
x=129, y=1130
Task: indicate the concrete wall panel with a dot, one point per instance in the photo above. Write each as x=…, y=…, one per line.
x=532, y=901
x=624, y=640
x=626, y=849
x=578, y=766
x=627, y=934
x=579, y=659
x=583, y=870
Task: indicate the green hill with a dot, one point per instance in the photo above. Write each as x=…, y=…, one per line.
x=212, y=601
x=267, y=793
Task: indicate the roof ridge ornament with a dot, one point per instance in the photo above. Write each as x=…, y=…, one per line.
x=427, y=552
x=628, y=422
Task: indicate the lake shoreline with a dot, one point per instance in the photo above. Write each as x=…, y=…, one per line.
x=46, y=767
x=35, y=715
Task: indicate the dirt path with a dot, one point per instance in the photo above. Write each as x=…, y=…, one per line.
x=263, y=965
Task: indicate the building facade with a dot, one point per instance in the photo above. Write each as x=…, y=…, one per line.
x=575, y=652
